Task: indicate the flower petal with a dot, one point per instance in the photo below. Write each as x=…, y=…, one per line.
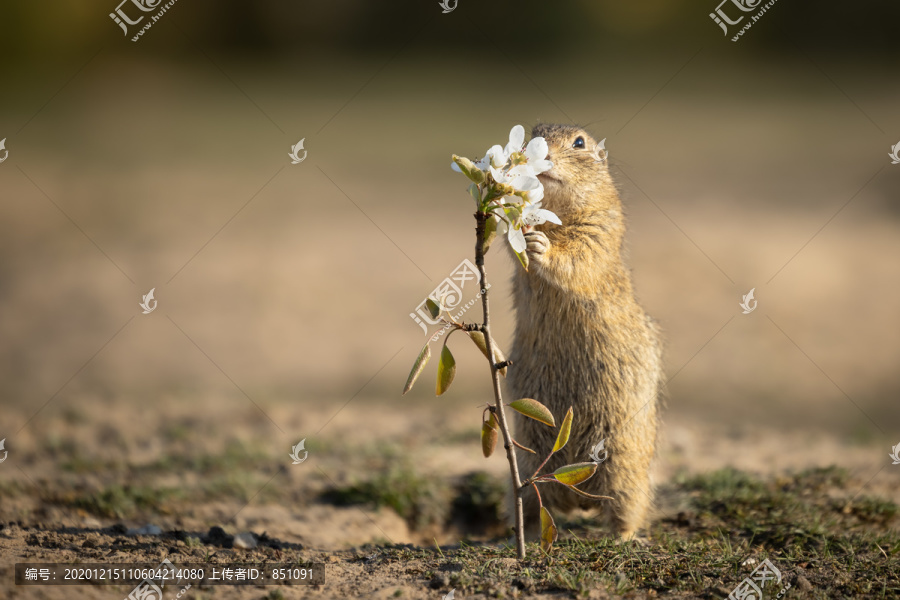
x=496, y=155
x=535, y=196
x=516, y=239
x=546, y=215
x=455, y=167
x=516, y=139
x=499, y=176
x=525, y=183
x=540, y=166
x=522, y=170
x=537, y=149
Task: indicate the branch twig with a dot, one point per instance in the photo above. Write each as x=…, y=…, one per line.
x=481, y=219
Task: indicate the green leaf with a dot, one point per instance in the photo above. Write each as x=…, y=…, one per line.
x=478, y=338
x=469, y=169
x=489, y=435
x=418, y=367
x=575, y=474
x=490, y=232
x=564, y=431
x=523, y=258
x=549, y=532
x=433, y=308
x=533, y=409
x=446, y=371
x=475, y=192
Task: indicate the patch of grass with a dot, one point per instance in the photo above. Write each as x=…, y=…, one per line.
x=239, y=484
x=78, y=463
x=825, y=542
x=12, y=488
x=121, y=502
x=239, y=472
x=419, y=499
x=236, y=456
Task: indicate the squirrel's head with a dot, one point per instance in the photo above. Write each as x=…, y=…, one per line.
x=580, y=175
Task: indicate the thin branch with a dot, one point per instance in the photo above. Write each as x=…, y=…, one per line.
x=481, y=220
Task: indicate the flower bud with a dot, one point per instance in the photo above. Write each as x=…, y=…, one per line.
x=469, y=169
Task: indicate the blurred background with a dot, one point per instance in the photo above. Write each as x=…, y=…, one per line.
x=284, y=290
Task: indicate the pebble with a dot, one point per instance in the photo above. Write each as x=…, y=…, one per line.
x=802, y=584
x=245, y=541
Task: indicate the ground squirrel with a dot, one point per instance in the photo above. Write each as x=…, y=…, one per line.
x=582, y=340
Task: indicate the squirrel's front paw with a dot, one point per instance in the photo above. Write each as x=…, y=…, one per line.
x=536, y=245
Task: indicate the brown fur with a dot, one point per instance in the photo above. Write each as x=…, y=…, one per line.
x=582, y=340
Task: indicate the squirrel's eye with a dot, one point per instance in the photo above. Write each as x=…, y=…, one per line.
x=578, y=143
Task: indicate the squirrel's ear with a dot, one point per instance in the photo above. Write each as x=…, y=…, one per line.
x=600, y=150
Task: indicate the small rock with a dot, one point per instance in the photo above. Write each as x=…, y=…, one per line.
x=89, y=544
x=439, y=581
x=245, y=541
x=149, y=529
x=91, y=523
x=802, y=584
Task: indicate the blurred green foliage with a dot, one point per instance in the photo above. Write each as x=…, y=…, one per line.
x=545, y=29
